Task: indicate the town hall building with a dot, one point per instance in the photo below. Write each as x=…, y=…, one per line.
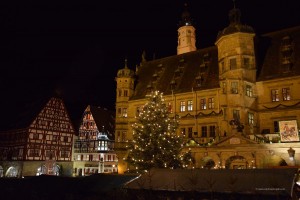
x=238, y=100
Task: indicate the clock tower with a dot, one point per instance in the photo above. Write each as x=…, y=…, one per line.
x=186, y=34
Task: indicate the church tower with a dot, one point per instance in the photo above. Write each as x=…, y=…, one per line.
x=186, y=34
x=237, y=73
x=125, y=89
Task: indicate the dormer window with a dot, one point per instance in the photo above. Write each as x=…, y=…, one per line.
x=173, y=84
x=199, y=81
x=287, y=53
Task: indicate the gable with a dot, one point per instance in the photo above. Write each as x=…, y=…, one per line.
x=235, y=139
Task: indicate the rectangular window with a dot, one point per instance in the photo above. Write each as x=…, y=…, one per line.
x=204, y=131
x=182, y=106
x=224, y=88
x=249, y=91
x=202, y=104
x=286, y=94
x=247, y=63
x=222, y=67
x=250, y=118
x=236, y=115
x=190, y=132
x=234, y=88
x=211, y=103
x=275, y=95
x=119, y=111
x=123, y=136
x=125, y=93
x=35, y=136
x=120, y=93
x=190, y=105
x=212, y=131
x=65, y=138
x=232, y=63
x=276, y=127
x=124, y=114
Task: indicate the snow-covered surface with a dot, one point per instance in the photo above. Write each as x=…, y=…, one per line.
x=258, y=181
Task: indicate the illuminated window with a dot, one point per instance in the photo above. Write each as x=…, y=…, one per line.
x=212, y=131
x=204, y=131
x=211, y=103
x=182, y=106
x=250, y=118
x=232, y=63
x=124, y=114
x=275, y=95
x=202, y=104
x=249, y=91
x=286, y=94
x=234, y=87
x=190, y=105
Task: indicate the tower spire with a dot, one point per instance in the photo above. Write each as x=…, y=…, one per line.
x=126, y=64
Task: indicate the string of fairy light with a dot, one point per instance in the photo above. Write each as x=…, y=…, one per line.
x=155, y=142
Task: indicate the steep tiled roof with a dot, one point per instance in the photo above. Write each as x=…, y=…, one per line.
x=104, y=117
x=195, y=70
x=278, y=54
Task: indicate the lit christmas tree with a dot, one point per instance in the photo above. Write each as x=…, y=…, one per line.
x=155, y=143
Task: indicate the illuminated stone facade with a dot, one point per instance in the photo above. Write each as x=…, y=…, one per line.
x=232, y=98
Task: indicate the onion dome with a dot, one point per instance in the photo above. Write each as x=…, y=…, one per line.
x=235, y=24
x=125, y=72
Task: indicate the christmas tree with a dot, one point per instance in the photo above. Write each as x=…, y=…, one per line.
x=155, y=143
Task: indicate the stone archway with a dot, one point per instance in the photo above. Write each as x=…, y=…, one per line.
x=236, y=162
x=274, y=161
x=207, y=162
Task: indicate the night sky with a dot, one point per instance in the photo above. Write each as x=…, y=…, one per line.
x=76, y=47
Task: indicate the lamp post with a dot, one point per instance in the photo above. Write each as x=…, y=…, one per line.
x=291, y=153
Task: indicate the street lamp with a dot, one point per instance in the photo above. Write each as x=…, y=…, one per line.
x=291, y=153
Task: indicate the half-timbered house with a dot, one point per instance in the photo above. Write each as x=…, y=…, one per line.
x=93, y=148
x=38, y=142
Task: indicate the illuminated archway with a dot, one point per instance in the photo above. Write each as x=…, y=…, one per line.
x=236, y=162
x=207, y=162
x=11, y=172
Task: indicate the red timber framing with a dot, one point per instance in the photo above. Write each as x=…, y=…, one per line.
x=51, y=133
x=48, y=135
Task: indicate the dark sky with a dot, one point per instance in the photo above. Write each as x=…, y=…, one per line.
x=76, y=47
